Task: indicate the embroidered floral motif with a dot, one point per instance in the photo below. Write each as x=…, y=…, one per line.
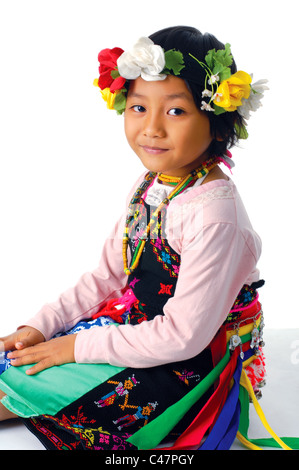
x=165, y=257
x=165, y=289
x=104, y=438
x=169, y=260
x=79, y=426
x=158, y=243
x=133, y=282
x=176, y=269
x=113, y=442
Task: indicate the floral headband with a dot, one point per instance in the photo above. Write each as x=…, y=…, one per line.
x=223, y=92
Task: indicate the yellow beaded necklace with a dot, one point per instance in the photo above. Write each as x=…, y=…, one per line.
x=172, y=180
x=181, y=185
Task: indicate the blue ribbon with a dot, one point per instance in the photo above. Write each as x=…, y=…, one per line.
x=225, y=429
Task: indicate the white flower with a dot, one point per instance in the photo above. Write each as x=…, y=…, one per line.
x=217, y=97
x=206, y=106
x=207, y=93
x=213, y=79
x=145, y=60
x=254, y=100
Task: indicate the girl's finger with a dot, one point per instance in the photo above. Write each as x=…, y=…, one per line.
x=23, y=361
x=6, y=344
x=17, y=353
x=40, y=366
x=26, y=356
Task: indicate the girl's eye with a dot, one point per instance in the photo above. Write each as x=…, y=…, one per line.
x=138, y=108
x=175, y=112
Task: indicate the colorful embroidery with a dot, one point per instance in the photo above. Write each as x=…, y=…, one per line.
x=138, y=226
x=133, y=282
x=78, y=426
x=141, y=413
x=112, y=442
x=246, y=296
x=158, y=243
x=137, y=314
x=121, y=389
x=184, y=376
x=139, y=231
x=164, y=255
x=45, y=429
x=89, y=437
x=165, y=289
x=86, y=438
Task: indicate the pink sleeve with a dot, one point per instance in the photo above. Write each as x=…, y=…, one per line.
x=93, y=289
x=214, y=266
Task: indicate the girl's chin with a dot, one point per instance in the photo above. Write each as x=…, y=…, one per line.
x=153, y=164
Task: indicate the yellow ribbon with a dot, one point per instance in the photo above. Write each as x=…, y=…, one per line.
x=245, y=382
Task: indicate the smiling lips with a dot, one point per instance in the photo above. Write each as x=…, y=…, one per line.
x=153, y=150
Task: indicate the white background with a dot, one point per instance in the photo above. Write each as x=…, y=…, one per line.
x=66, y=167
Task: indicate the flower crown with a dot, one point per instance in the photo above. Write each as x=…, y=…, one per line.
x=223, y=91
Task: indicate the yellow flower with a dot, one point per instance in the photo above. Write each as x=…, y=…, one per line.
x=108, y=97
x=231, y=91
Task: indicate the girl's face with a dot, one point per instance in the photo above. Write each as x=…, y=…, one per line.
x=165, y=128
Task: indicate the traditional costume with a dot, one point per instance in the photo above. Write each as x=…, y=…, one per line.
x=166, y=343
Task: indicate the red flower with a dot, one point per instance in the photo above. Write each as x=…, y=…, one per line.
x=108, y=62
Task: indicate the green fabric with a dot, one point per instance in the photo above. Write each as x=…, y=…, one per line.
x=149, y=436
x=244, y=414
x=52, y=389
x=292, y=442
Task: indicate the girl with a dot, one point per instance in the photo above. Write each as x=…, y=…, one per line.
x=148, y=344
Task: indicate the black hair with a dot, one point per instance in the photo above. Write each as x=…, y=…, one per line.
x=186, y=39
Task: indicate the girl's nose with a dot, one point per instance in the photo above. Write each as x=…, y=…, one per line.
x=153, y=126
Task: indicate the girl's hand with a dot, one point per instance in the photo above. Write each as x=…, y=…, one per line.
x=55, y=352
x=22, y=338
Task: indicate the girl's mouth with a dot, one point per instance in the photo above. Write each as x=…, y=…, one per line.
x=153, y=150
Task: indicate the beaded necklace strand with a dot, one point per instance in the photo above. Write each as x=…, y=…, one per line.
x=181, y=185
x=171, y=180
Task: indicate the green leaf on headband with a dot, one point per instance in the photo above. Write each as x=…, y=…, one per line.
x=221, y=56
x=241, y=131
x=174, y=61
x=114, y=74
x=220, y=61
x=218, y=110
x=120, y=101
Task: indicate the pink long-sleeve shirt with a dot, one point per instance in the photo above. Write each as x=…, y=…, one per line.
x=209, y=228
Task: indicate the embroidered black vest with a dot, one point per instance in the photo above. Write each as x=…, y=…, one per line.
x=154, y=280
